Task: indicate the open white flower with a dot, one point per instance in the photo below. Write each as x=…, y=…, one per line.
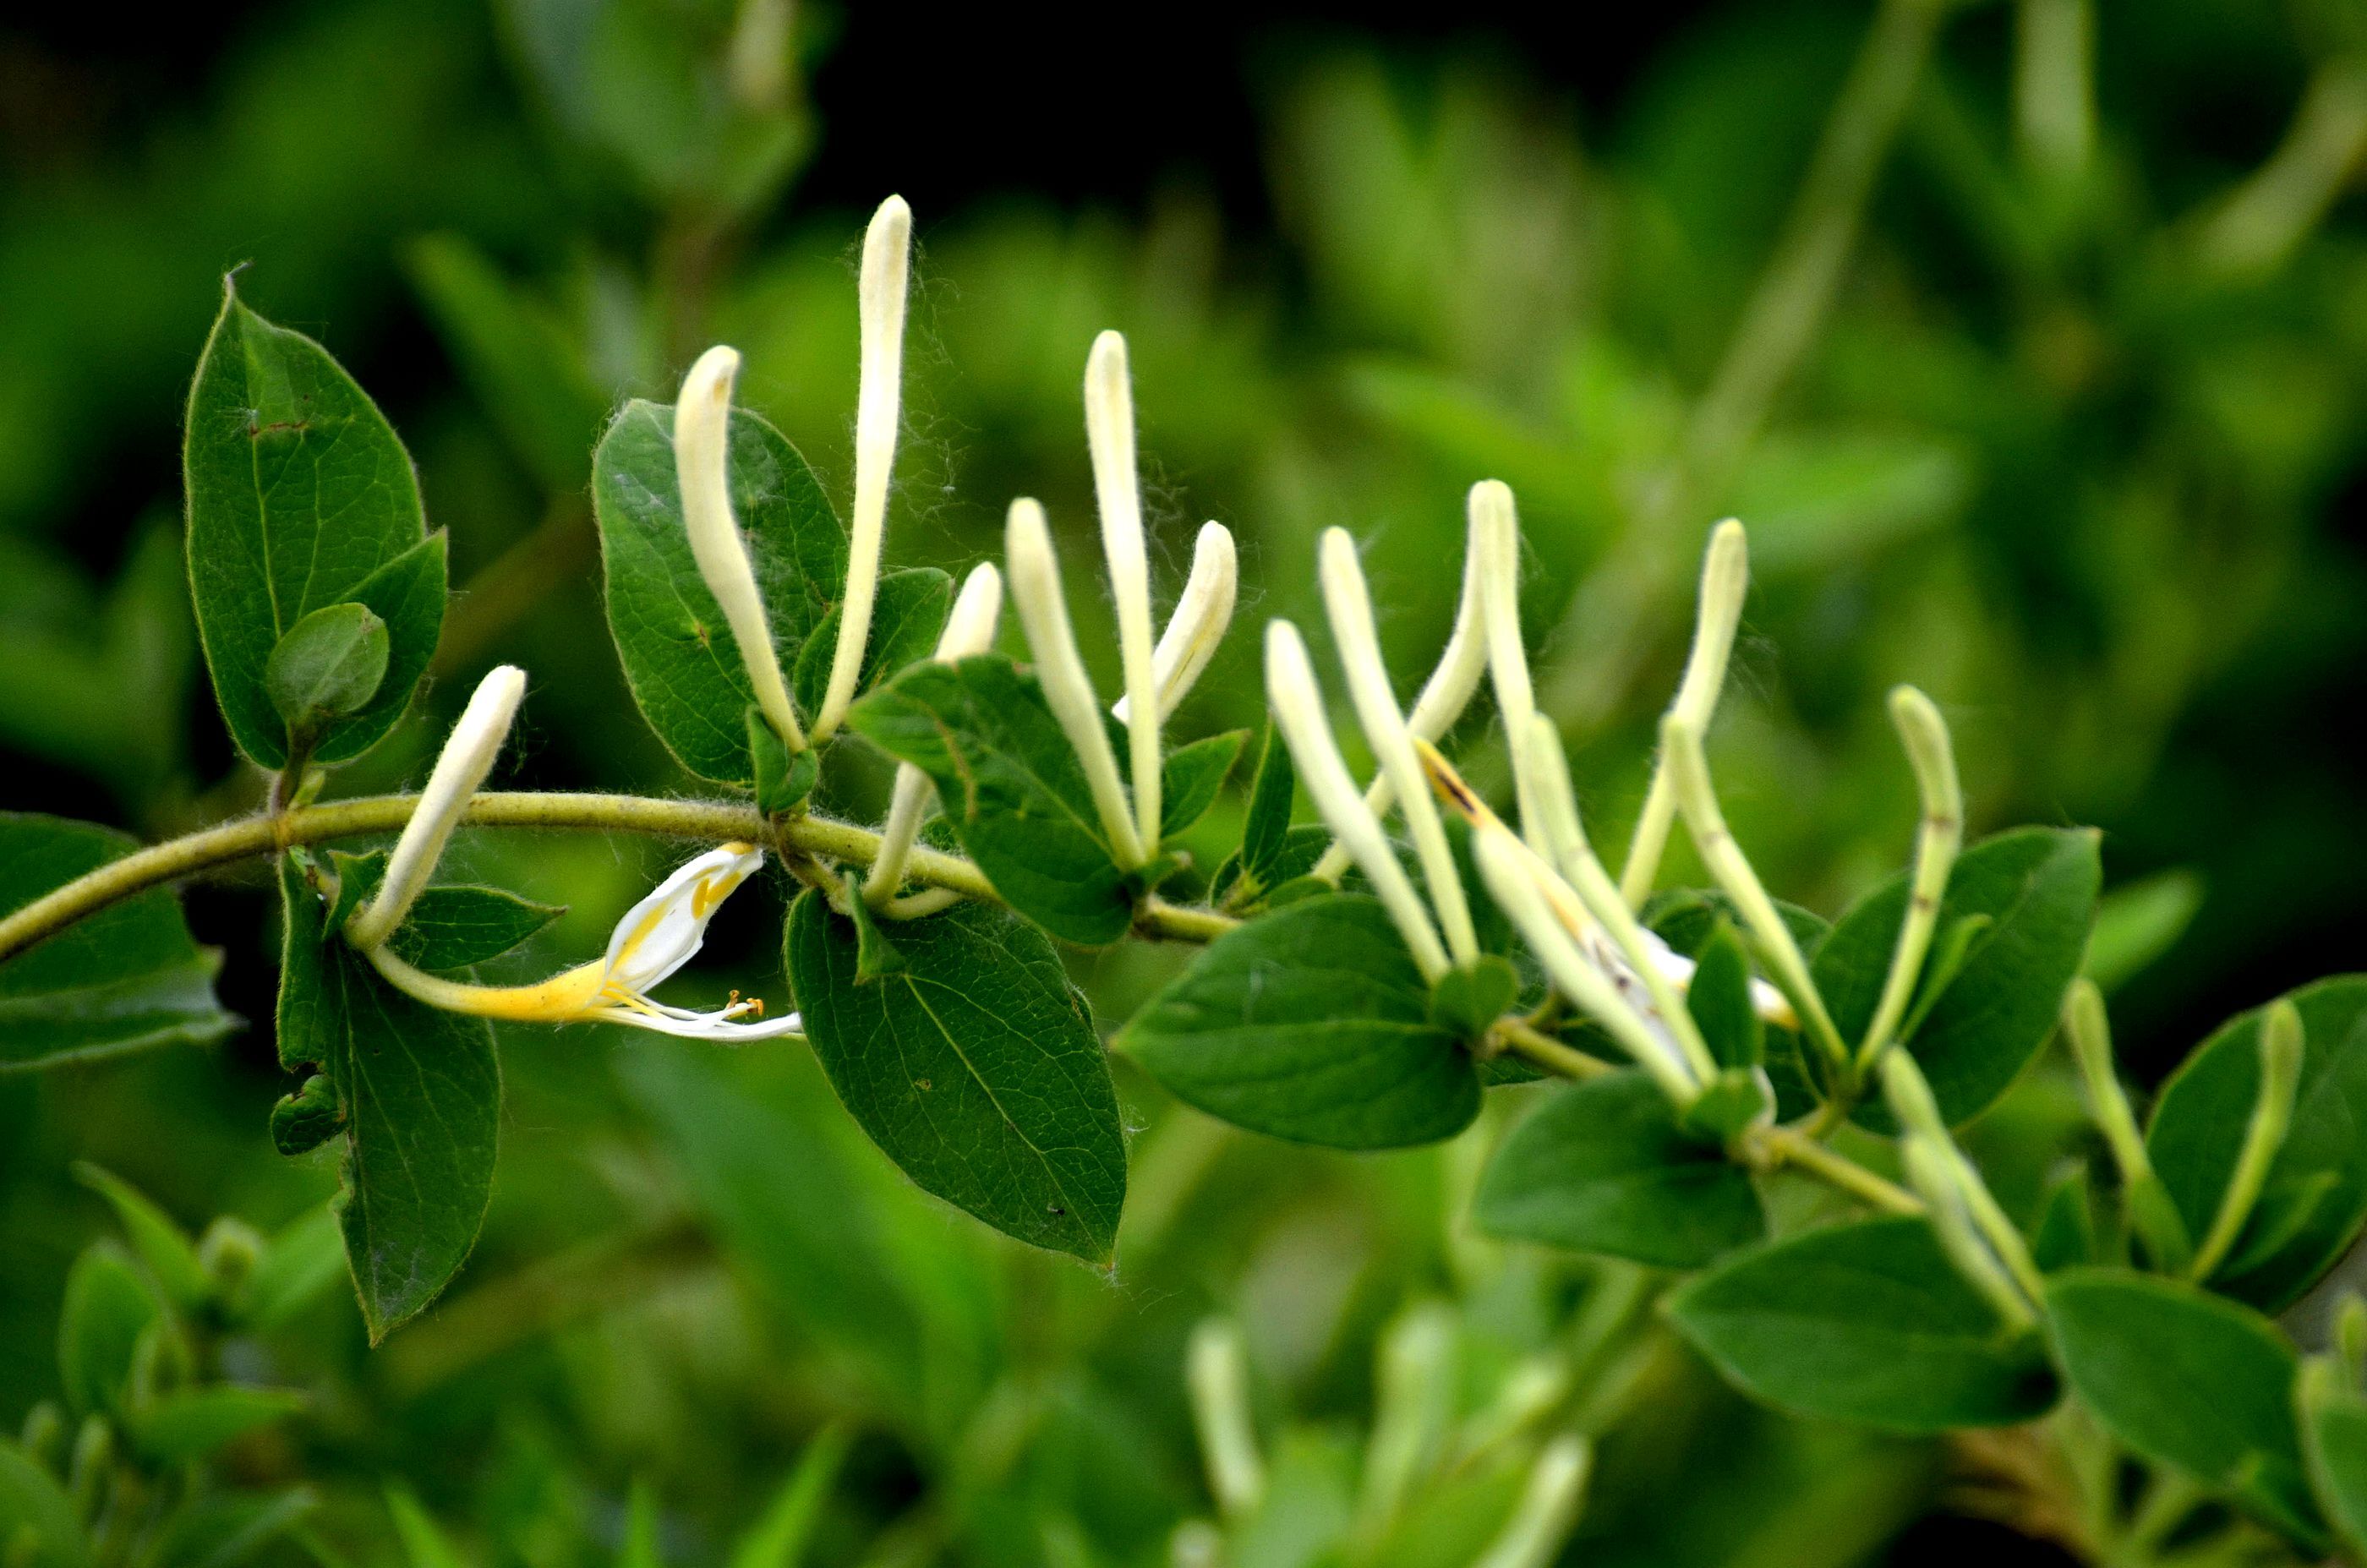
x=657, y=937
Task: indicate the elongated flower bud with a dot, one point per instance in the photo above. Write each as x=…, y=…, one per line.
x=2264, y=1133
x=1925, y=735
x=886, y=267
x=969, y=629
x=1536, y=1533
x=1307, y=730
x=702, y=441
x=1724, y=583
x=1109, y=432
x=1035, y=589
x=466, y=758
x=1218, y=1374
x=1350, y=611
x=1199, y=621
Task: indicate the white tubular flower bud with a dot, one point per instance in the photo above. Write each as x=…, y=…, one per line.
x=969, y=629
x=1199, y=621
x=1925, y=735
x=1447, y=691
x=1539, y=753
x=1217, y=1377
x=702, y=441
x=1725, y=583
x=1506, y=867
x=1350, y=610
x=1497, y=530
x=1298, y=711
x=1035, y=589
x=886, y=270
x=1109, y=432
x=1688, y=768
x=1536, y=1533
x=466, y=758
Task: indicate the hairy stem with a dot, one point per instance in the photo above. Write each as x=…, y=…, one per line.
x=706, y=821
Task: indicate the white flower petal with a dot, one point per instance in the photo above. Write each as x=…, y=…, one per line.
x=661, y=933
x=720, y=1025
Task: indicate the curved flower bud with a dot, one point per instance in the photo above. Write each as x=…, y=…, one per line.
x=1199, y=621
x=1447, y=691
x=887, y=274
x=657, y=936
x=1925, y=736
x=1724, y=583
x=1350, y=606
x=1299, y=712
x=466, y=758
x=1036, y=588
x=702, y=441
x=969, y=629
x=1109, y=432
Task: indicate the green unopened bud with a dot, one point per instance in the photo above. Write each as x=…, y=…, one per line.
x=94, y=1455
x=229, y=1252
x=1413, y=1400
x=2280, y=1053
x=1219, y=1375
x=330, y=664
x=1932, y=1171
x=1548, y=1509
x=43, y=1434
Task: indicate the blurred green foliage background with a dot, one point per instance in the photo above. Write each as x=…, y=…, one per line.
x=2049, y=403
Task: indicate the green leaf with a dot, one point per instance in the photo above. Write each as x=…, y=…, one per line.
x=421, y=1093
x=1719, y=1001
x=1010, y=786
x=1466, y=1002
x=641, y=1547
x=2037, y=888
x=1601, y=1166
x=35, y=1508
x=163, y=1245
x=2139, y=921
x=301, y=497
x=1267, y=825
x=679, y=655
x=227, y=1529
x=298, y=1265
x=191, y=1423
x=456, y=925
x=2334, y=1443
x=1311, y=1024
x=908, y=615
x=1865, y=1323
x=124, y=979
x=782, y=782
x=2187, y=1379
x=1730, y=1104
x=109, y=1306
x=1191, y=777
x=875, y=954
x=424, y=1540
x=779, y=1537
x=975, y=1067
x=519, y=360
x=305, y=1120
x=330, y=664
x=2314, y=1198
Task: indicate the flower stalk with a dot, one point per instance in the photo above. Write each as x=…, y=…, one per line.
x=969, y=629
x=886, y=278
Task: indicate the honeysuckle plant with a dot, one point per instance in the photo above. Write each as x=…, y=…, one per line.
x=1767, y=1107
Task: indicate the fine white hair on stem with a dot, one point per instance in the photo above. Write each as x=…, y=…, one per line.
x=1035, y=590
x=887, y=272
x=1299, y=712
x=1924, y=735
x=1565, y=834
x=1109, y=432
x=1447, y=691
x=1349, y=607
x=969, y=629
x=1724, y=583
x=1508, y=868
x=702, y=442
x=1688, y=766
x=466, y=758
x=1199, y=621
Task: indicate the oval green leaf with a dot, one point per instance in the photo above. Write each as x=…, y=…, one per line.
x=2188, y=1379
x=330, y=664
x=974, y=1065
x=1601, y=1166
x=1311, y=1024
x=1867, y=1323
x=301, y=496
